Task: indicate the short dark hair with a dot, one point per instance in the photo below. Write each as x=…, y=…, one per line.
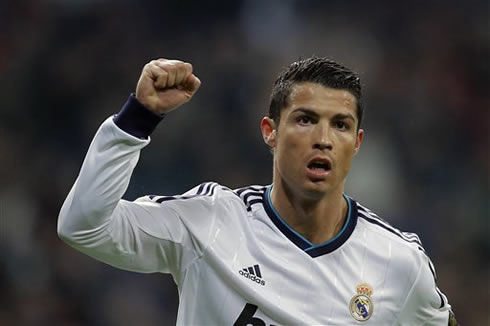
x=323, y=71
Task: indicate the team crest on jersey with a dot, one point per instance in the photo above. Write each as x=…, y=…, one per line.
x=361, y=306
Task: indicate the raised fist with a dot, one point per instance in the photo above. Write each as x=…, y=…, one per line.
x=166, y=84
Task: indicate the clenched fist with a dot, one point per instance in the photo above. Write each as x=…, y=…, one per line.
x=166, y=84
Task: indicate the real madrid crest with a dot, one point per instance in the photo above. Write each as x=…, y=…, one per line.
x=361, y=306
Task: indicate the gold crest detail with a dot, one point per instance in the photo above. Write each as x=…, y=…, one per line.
x=361, y=306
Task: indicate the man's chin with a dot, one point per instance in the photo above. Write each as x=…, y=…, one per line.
x=316, y=189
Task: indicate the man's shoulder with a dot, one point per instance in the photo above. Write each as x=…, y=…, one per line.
x=251, y=195
x=385, y=231
x=403, y=250
x=214, y=193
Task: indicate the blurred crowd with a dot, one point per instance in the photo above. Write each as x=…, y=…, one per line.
x=66, y=65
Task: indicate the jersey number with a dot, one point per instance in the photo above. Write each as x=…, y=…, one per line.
x=247, y=317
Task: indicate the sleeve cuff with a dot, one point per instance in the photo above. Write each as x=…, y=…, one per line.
x=135, y=119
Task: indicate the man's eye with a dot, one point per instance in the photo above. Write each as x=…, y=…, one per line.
x=304, y=120
x=341, y=125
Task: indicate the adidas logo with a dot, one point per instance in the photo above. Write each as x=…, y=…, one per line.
x=253, y=274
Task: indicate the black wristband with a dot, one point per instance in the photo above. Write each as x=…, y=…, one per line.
x=135, y=119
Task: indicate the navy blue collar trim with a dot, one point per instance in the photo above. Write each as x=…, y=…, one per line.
x=300, y=241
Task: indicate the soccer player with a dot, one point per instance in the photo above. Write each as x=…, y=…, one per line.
x=296, y=252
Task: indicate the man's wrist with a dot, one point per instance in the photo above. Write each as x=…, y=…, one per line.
x=136, y=120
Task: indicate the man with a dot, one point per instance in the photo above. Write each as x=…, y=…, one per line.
x=299, y=251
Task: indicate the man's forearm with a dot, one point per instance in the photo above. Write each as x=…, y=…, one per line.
x=103, y=180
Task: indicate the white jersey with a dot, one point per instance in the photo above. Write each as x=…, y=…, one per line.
x=236, y=261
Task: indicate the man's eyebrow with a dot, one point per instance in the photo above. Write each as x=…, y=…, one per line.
x=306, y=111
x=342, y=116
x=311, y=112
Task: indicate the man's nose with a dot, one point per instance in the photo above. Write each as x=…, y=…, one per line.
x=322, y=138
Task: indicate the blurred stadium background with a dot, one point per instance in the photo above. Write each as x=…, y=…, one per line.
x=65, y=65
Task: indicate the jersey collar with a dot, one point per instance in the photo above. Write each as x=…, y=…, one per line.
x=304, y=244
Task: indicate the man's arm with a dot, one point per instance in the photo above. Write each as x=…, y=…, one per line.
x=93, y=218
x=425, y=304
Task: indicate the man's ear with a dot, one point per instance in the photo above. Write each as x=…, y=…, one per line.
x=268, y=128
x=360, y=137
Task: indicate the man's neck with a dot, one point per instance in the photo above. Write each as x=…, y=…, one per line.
x=318, y=220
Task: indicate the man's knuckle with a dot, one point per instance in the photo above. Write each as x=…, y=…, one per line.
x=166, y=67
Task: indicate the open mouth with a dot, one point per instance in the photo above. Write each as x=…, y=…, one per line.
x=320, y=165
x=318, y=169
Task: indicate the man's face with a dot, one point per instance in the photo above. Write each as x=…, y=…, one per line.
x=315, y=140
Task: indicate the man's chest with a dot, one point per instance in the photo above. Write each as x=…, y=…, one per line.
x=274, y=283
